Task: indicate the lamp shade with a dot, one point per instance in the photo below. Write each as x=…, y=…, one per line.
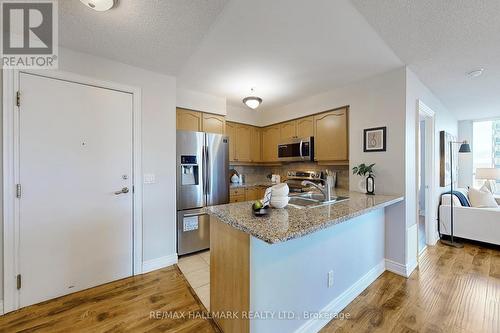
x=488, y=173
x=464, y=148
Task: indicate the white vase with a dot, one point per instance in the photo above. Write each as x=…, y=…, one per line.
x=362, y=184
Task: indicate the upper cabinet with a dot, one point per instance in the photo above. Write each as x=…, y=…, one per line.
x=288, y=130
x=305, y=127
x=331, y=136
x=243, y=134
x=240, y=142
x=271, y=137
x=188, y=120
x=231, y=133
x=249, y=144
x=214, y=123
x=255, y=144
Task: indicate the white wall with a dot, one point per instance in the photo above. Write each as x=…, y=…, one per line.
x=445, y=120
x=242, y=114
x=292, y=276
x=378, y=101
x=158, y=142
x=195, y=100
x=466, y=165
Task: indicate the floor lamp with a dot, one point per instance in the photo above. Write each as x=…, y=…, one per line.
x=464, y=148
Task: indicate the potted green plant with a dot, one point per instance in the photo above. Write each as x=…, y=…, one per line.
x=367, y=183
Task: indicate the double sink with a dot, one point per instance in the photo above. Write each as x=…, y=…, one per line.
x=313, y=199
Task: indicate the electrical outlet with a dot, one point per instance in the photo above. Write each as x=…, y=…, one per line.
x=330, y=279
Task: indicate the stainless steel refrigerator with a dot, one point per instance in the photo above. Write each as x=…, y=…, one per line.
x=202, y=180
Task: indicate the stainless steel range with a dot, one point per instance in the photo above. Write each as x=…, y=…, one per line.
x=295, y=179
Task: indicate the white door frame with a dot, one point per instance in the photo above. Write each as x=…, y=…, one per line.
x=430, y=171
x=11, y=173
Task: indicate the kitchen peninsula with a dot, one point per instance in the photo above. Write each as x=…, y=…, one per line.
x=301, y=263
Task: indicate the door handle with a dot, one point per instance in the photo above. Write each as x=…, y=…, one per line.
x=209, y=172
x=122, y=191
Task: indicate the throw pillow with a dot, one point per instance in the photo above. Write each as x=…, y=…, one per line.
x=482, y=199
x=486, y=187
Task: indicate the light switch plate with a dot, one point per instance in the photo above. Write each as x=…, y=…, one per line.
x=149, y=178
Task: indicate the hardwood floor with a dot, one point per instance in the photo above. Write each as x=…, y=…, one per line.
x=453, y=291
x=121, y=306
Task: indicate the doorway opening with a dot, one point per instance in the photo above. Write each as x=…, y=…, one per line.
x=422, y=243
x=426, y=215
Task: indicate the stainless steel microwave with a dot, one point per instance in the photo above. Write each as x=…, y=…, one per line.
x=296, y=149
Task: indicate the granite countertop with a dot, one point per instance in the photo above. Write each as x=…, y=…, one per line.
x=285, y=224
x=252, y=184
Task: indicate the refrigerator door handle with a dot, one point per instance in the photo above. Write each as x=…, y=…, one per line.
x=204, y=173
x=208, y=171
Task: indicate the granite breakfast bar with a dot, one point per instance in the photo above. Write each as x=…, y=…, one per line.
x=326, y=255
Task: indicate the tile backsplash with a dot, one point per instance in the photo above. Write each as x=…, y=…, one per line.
x=259, y=173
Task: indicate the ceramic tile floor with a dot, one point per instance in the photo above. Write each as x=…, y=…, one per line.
x=196, y=269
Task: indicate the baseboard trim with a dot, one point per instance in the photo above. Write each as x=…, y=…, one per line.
x=339, y=303
x=158, y=263
x=400, y=269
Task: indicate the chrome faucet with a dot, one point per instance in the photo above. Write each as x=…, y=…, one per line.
x=325, y=189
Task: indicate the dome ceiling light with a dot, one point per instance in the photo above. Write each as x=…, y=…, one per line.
x=100, y=5
x=253, y=102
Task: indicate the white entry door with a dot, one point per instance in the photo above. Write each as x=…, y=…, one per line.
x=75, y=157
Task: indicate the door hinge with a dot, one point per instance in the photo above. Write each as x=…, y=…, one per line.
x=18, y=281
x=18, y=98
x=18, y=191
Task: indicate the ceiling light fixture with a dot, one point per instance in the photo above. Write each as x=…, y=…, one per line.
x=475, y=73
x=99, y=5
x=253, y=102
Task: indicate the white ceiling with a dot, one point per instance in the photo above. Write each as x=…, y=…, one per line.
x=286, y=49
x=443, y=40
x=153, y=34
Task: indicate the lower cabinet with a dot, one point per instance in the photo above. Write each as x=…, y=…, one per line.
x=241, y=194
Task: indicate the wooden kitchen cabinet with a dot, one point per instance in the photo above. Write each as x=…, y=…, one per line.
x=213, y=123
x=255, y=144
x=305, y=127
x=288, y=130
x=237, y=194
x=188, y=120
x=331, y=136
x=252, y=194
x=271, y=137
x=231, y=133
x=239, y=141
x=243, y=139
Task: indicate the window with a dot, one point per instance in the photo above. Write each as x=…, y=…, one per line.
x=486, y=147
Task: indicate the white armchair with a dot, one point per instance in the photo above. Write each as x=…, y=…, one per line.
x=480, y=224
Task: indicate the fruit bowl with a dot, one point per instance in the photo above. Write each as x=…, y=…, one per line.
x=259, y=210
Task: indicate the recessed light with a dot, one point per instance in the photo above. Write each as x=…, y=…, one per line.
x=99, y=5
x=476, y=73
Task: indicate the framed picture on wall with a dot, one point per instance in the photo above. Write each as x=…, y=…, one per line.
x=375, y=139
